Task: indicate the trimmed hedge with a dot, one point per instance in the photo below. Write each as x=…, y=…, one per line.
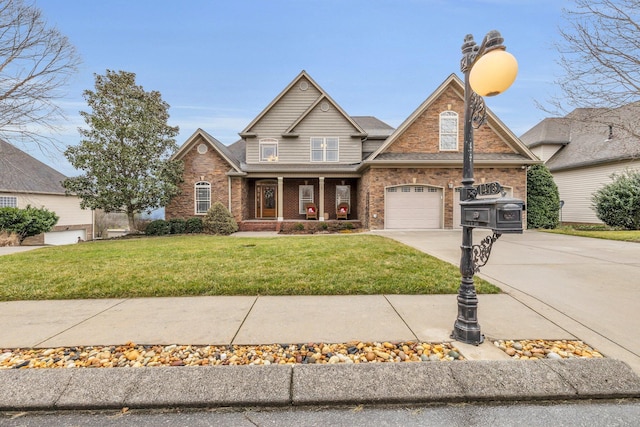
x=543, y=199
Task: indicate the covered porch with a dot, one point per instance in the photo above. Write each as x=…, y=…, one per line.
x=284, y=199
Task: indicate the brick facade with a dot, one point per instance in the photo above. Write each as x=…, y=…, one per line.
x=209, y=167
x=418, y=144
x=375, y=181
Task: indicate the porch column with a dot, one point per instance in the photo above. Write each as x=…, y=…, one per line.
x=280, y=197
x=321, y=201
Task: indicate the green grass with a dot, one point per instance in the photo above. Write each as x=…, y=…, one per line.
x=599, y=233
x=214, y=265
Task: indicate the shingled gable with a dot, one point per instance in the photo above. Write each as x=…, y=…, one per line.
x=290, y=131
x=515, y=151
x=223, y=151
x=587, y=137
x=21, y=173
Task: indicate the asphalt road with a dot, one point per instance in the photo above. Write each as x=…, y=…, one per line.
x=599, y=413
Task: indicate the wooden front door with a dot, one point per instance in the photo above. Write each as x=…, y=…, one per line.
x=266, y=200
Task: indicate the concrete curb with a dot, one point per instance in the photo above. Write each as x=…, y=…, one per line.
x=316, y=384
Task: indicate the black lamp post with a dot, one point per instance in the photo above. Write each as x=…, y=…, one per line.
x=488, y=70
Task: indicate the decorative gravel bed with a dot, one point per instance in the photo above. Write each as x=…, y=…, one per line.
x=133, y=355
x=549, y=349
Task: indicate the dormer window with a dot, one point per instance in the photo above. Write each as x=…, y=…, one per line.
x=269, y=150
x=449, y=131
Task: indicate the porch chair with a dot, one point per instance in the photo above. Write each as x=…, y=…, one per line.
x=342, y=211
x=311, y=211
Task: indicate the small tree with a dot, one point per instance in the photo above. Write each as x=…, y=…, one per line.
x=543, y=200
x=618, y=204
x=219, y=220
x=27, y=222
x=125, y=153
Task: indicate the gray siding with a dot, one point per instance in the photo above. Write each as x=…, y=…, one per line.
x=318, y=123
x=576, y=186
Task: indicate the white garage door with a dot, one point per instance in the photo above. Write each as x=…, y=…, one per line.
x=64, y=237
x=413, y=207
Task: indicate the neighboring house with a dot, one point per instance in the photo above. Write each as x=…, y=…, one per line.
x=27, y=181
x=304, y=148
x=582, y=150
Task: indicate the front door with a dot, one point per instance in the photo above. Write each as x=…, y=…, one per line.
x=266, y=200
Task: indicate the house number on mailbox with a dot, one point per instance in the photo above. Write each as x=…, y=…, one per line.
x=489, y=189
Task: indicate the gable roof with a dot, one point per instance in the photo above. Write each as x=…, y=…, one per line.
x=222, y=149
x=590, y=136
x=324, y=96
x=374, y=127
x=22, y=173
x=522, y=153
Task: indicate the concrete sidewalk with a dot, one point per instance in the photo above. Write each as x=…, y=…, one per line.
x=487, y=374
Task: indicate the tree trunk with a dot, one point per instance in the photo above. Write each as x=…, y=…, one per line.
x=131, y=218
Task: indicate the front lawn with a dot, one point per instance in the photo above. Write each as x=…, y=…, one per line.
x=213, y=265
x=622, y=235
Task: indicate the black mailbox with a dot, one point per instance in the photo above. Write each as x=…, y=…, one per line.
x=502, y=215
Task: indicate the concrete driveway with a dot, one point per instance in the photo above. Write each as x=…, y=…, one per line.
x=589, y=287
x=8, y=250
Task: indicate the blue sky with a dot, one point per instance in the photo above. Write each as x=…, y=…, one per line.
x=218, y=63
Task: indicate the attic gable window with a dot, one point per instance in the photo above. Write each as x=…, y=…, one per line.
x=449, y=131
x=324, y=149
x=269, y=150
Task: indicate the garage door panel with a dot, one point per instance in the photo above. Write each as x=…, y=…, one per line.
x=413, y=207
x=65, y=237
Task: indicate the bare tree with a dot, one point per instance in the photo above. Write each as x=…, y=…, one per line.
x=36, y=61
x=600, y=57
x=600, y=53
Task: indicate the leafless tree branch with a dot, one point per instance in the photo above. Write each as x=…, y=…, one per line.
x=36, y=61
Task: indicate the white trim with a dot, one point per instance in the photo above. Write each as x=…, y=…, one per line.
x=324, y=149
x=302, y=200
x=450, y=115
x=201, y=185
x=265, y=143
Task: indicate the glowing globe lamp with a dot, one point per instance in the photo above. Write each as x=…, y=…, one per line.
x=493, y=73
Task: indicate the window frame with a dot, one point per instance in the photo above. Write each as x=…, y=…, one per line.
x=348, y=198
x=201, y=185
x=444, y=117
x=303, y=199
x=327, y=154
x=4, y=201
x=268, y=143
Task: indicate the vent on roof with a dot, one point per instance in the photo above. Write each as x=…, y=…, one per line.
x=304, y=85
x=202, y=148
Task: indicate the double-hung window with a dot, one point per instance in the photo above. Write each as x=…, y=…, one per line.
x=269, y=150
x=8, y=202
x=324, y=149
x=449, y=131
x=343, y=195
x=306, y=196
x=203, y=197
